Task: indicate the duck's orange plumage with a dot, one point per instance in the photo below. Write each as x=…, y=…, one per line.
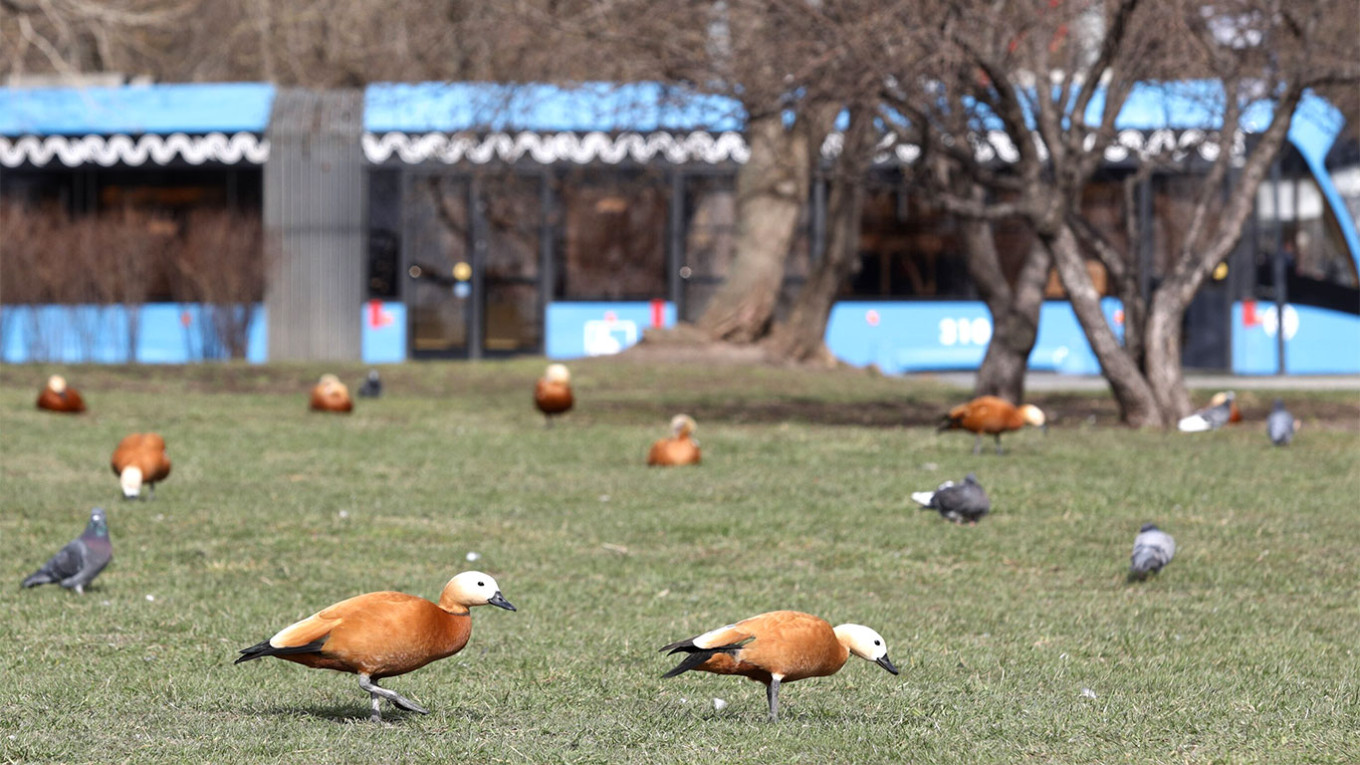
x=552, y=393
x=780, y=647
x=331, y=395
x=57, y=396
x=993, y=416
x=680, y=448
x=384, y=634
x=140, y=459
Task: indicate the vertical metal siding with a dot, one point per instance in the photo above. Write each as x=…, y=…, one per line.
x=314, y=200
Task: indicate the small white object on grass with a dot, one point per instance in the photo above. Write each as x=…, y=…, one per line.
x=471, y=556
x=150, y=598
x=1088, y=693
x=718, y=704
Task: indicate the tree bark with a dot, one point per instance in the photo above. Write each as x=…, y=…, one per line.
x=1138, y=406
x=772, y=188
x=1015, y=310
x=802, y=336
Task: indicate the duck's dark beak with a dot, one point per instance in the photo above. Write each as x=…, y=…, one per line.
x=500, y=602
x=886, y=663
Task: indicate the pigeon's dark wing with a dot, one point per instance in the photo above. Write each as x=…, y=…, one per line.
x=68, y=562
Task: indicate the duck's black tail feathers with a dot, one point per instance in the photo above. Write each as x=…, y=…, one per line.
x=698, y=656
x=265, y=649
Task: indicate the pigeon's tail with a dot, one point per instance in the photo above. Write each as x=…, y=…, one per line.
x=925, y=499
x=1195, y=423
x=1146, y=561
x=698, y=656
x=41, y=576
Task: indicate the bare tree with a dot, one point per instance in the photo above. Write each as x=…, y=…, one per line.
x=1054, y=95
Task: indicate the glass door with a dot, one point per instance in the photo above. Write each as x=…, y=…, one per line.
x=512, y=219
x=439, y=265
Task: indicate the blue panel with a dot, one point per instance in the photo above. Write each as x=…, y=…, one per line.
x=598, y=329
x=384, y=332
x=905, y=336
x=166, y=333
x=161, y=109
x=602, y=106
x=1317, y=340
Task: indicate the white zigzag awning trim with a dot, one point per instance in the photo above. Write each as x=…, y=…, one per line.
x=123, y=149
x=549, y=148
x=710, y=148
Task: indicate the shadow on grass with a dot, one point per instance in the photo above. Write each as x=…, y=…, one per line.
x=357, y=713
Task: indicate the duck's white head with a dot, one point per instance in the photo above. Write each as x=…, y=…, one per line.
x=866, y=644
x=1222, y=397
x=1033, y=415
x=328, y=379
x=683, y=425
x=473, y=588
x=131, y=481
x=557, y=373
x=57, y=384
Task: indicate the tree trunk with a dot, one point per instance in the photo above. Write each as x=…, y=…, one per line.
x=802, y=336
x=1138, y=405
x=772, y=188
x=1015, y=310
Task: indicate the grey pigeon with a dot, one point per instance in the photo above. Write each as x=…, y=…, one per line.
x=372, y=387
x=1212, y=417
x=81, y=560
x=1152, y=549
x=1280, y=425
x=957, y=502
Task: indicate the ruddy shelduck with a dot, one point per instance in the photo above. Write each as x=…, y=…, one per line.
x=552, y=393
x=385, y=634
x=140, y=459
x=1222, y=410
x=60, y=397
x=680, y=448
x=993, y=416
x=780, y=647
x=331, y=395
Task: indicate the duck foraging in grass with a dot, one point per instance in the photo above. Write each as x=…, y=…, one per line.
x=779, y=647
x=384, y=634
x=992, y=416
x=552, y=393
x=80, y=561
x=140, y=459
x=57, y=396
x=680, y=448
x=331, y=395
x=963, y=502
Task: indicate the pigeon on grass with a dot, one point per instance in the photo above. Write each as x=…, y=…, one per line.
x=964, y=502
x=81, y=560
x=1280, y=424
x=1152, y=549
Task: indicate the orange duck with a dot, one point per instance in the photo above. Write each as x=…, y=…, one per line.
x=780, y=647
x=140, y=459
x=60, y=397
x=552, y=394
x=680, y=448
x=993, y=416
x=331, y=395
x=384, y=634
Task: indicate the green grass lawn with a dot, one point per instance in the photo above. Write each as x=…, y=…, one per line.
x=1018, y=639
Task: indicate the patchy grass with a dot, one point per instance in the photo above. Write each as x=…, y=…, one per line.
x=1019, y=639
